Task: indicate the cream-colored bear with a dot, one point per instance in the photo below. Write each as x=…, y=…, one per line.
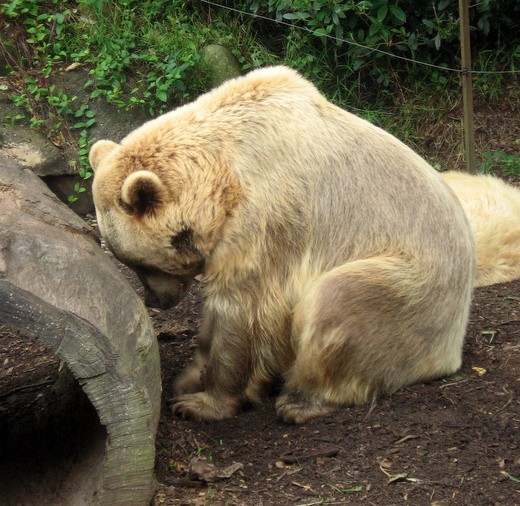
x=493, y=209
x=334, y=257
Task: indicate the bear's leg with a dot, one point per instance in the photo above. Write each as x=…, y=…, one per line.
x=369, y=327
x=191, y=380
x=226, y=375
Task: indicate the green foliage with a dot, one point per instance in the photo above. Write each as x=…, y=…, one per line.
x=140, y=53
x=499, y=161
x=45, y=30
x=145, y=54
x=364, y=30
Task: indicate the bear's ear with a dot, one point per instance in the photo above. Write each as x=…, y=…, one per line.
x=142, y=192
x=98, y=151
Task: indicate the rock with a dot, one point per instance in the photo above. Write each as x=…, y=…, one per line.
x=112, y=122
x=219, y=64
x=58, y=167
x=58, y=285
x=63, y=187
x=33, y=150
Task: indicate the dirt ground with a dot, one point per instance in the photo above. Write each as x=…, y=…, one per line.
x=449, y=442
x=454, y=441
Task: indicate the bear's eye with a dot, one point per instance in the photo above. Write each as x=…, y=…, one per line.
x=183, y=241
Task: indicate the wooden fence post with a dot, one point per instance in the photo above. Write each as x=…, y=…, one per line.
x=467, y=88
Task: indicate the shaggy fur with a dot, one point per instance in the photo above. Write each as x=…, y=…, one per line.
x=493, y=210
x=334, y=257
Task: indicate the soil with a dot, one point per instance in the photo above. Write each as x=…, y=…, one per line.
x=449, y=442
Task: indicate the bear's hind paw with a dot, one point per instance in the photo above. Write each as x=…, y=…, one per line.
x=294, y=407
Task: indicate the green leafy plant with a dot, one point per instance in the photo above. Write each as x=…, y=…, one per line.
x=499, y=161
x=86, y=118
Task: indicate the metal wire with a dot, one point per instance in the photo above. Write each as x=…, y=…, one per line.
x=356, y=44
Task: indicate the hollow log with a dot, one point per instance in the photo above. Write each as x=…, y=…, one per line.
x=91, y=441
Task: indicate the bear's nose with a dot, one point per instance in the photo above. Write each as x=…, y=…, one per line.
x=162, y=300
x=151, y=299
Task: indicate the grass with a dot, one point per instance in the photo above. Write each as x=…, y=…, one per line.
x=500, y=161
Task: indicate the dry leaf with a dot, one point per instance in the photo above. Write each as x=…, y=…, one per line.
x=179, y=466
x=385, y=464
x=227, y=472
x=201, y=469
x=394, y=478
x=73, y=66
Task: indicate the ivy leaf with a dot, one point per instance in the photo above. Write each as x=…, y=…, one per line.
x=162, y=96
x=398, y=13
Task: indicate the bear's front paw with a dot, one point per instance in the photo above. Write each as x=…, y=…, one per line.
x=294, y=407
x=204, y=406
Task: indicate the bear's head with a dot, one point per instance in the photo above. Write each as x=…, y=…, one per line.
x=158, y=215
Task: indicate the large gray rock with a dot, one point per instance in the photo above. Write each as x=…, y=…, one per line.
x=32, y=150
x=28, y=146
x=58, y=285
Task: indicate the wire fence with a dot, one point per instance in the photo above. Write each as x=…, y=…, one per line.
x=356, y=44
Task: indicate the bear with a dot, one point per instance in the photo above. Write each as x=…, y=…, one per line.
x=336, y=264
x=493, y=209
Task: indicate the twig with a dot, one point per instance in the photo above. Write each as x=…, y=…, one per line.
x=454, y=383
x=507, y=322
x=406, y=438
x=373, y=404
x=503, y=407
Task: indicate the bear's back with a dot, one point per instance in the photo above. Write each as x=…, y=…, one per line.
x=315, y=178
x=342, y=183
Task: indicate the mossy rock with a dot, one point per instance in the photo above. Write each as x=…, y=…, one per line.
x=219, y=64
